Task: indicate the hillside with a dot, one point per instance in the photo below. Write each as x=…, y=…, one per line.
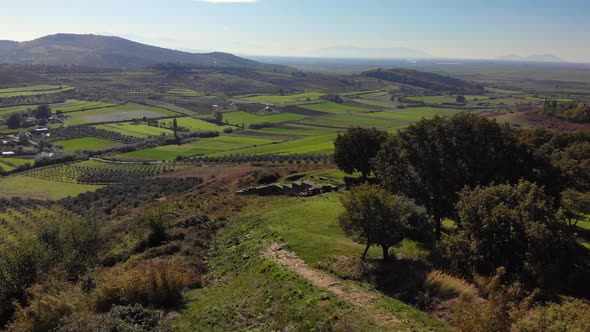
x=424, y=80
x=109, y=52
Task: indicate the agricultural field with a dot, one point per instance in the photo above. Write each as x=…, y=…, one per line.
x=31, y=187
x=287, y=99
x=192, y=124
x=34, y=90
x=87, y=143
x=239, y=118
x=334, y=108
x=308, y=145
x=446, y=99
x=119, y=113
x=184, y=93
x=139, y=130
x=205, y=146
x=413, y=114
x=99, y=172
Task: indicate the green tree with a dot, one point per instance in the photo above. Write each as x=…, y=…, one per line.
x=373, y=216
x=460, y=99
x=43, y=112
x=354, y=149
x=14, y=120
x=432, y=160
x=512, y=227
x=175, y=129
x=218, y=116
x=575, y=206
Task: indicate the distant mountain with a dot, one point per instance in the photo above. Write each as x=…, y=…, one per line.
x=371, y=53
x=425, y=80
x=534, y=57
x=110, y=52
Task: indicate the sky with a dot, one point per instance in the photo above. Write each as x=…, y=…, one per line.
x=480, y=29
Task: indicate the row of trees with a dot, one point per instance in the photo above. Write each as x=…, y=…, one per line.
x=510, y=201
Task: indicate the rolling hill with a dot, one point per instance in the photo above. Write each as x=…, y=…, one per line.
x=425, y=80
x=110, y=52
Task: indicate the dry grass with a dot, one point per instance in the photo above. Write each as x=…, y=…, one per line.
x=445, y=286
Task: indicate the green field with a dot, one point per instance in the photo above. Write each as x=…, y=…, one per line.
x=8, y=163
x=26, y=186
x=332, y=108
x=67, y=106
x=87, y=143
x=230, y=143
x=116, y=114
x=239, y=118
x=185, y=93
x=414, y=114
x=140, y=130
x=446, y=99
x=311, y=145
x=504, y=91
x=192, y=124
x=288, y=99
x=33, y=90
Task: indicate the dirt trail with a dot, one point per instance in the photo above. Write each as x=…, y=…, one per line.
x=346, y=292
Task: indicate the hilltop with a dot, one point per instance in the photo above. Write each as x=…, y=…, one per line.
x=110, y=52
x=425, y=80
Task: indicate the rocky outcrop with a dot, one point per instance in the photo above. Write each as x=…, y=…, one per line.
x=297, y=188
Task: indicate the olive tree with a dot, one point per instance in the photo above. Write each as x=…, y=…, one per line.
x=374, y=217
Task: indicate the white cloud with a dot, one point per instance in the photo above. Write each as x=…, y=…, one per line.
x=227, y=1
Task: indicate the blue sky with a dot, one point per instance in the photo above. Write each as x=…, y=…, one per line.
x=450, y=29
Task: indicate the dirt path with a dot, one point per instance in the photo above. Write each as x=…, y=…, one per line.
x=351, y=293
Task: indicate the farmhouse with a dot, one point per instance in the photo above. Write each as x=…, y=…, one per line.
x=40, y=131
x=44, y=155
x=8, y=154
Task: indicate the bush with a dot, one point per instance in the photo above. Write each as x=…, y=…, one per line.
x=152, y=283
x=571, y=315
x=134, y=318
x=445, y=286
x=228, y=130
x=48, y=304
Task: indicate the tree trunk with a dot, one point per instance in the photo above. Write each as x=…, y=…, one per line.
x=438, y=227
x=365, y=252
x=385, y=253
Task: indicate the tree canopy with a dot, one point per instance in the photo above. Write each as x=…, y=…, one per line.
x=373, y=216
x=354, y=149
x=512, y=227
x=432, y=160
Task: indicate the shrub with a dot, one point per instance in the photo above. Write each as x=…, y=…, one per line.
x=48, y=304
x=571, y=315
x=445, y=286
x=151, y=283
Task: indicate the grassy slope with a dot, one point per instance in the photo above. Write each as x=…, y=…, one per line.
x=255, y=294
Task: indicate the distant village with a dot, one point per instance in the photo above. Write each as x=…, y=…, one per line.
x=29, y=132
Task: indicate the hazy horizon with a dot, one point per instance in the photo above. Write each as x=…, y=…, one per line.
x=457, y=29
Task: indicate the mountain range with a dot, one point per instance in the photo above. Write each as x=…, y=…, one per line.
x=534, y=57
x=371, y=53
x=110, y=52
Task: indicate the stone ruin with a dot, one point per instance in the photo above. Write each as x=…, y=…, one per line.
x=297, y=188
